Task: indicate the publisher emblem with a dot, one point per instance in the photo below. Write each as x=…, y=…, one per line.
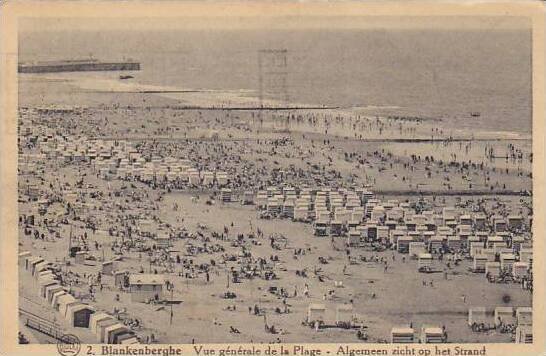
x=69, y=345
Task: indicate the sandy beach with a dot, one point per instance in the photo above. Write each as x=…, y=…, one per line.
x=210, y=239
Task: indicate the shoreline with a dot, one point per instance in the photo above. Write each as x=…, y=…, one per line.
x=241, y=100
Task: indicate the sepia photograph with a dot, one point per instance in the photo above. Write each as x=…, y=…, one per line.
x=271, y=180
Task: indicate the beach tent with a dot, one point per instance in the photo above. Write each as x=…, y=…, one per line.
x=320, y=227
x=119, y=278
x=451, y=224
x=354, y=238
x=520, y=269
x=80, y=257
x=524, y=334
x=507, y=261
x=391, y=225
x=420, y=219
x=116, y=336
x=454, y=243
x=78, y=314
x=424, y=260
x=480, y=221
x=336, y=227
x=111, y=331
x=421, y=229
x=248, y=198
x=22, y=257
x=31, y=262
x=126, y=335
x=382, y=233
x=504, y=315
x=515, y=221
x=225, y=195
x=95, y=318
x=465, y=219
x=55, y=298
x=402, y=335
x=493, y=269
x=499, y=225
x=410, y=224
x=351, y=224
x=478, y=264
x=261, y=200
x=502, y=250
x=273, y=206
x=43, y=284
x=316, y=312
x=524, y=316
x=46, y=273
x=402, y=244
x=490, y=254
x=108, y=267
x=101, y=327
x=396, y=233
x=288, y=209
x=476, y=248
x=517, y=242
x=222, y=178
x=64, y=301
x=445, y=231
x=427, y=235
x=370, y=232
x=526, y=255
x=416, y=235
x=472, y=239
x=464, y=238
x=344, y=314
x=482, y=236
x=435, y=243
x=208, y=178
x=322, y=214
x=493, y=241
x=51, y=290
x=477, y=315
x=432, y=335
x=357, y=215
x=146, y=286
x=416, y=248
x=450, y=213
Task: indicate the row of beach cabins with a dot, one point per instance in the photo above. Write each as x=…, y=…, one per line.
x=121, y=160
x=345, y=317
x=521, y=318
x=495, y=243
x=105, y=327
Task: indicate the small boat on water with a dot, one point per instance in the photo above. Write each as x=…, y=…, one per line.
x=475, y=114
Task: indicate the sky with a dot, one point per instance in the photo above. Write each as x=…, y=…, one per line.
x=277, y=22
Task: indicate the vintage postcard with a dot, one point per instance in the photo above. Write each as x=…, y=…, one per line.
x=277, y=178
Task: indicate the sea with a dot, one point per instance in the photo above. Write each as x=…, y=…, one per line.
x=445, y=74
